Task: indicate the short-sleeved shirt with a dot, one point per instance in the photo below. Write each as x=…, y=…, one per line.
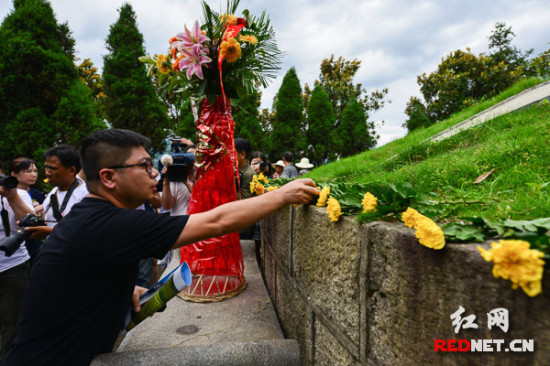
x=289, y=172
x=20, y=255
x=76, y=196
x=80, y=288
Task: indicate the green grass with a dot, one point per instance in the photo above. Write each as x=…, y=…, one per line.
x=516, y=145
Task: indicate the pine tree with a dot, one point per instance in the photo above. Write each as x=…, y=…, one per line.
x=247, y=125
x=320, y=121
x=288, y=125
x=353, y=131
x=43, y=103
x=130, y=98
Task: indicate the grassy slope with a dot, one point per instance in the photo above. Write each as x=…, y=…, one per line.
x=516, y=145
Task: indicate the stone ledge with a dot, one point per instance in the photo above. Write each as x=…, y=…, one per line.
x=268, y=353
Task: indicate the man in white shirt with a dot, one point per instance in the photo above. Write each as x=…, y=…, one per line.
x=61, y=168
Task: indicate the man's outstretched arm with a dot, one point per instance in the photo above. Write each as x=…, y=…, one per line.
x=237, y=215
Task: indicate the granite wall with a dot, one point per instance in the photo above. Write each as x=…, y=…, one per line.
x=371, y=295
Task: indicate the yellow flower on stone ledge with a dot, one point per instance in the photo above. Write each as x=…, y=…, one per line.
x=322, y=201
x=429, y=233
x=334, y=210
x=369, y=202
x=515, y=261
x=409, y=217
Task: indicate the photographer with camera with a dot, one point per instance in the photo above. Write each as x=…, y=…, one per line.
x=177, y=176
x=61, y=168
x=14, y=262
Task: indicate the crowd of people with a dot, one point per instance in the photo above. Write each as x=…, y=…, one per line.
x=104, y=238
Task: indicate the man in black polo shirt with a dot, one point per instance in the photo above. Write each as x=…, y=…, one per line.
x=83, y=281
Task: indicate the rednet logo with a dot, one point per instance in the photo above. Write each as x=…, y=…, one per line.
x=496, y=318
x=483, y=345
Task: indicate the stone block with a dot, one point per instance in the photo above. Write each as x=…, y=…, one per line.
x=326, y=258
x=276, y=230
x=294, y=315
x=328, y=351
x=413, y=290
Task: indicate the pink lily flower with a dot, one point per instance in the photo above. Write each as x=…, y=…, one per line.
x=193, y=59
x=189, y=38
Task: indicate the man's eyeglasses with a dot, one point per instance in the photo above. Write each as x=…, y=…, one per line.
x=148, y=165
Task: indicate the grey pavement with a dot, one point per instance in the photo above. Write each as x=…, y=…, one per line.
x=515, y=102
x=242, y=330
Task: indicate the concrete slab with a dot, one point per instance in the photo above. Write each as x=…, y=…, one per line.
x=245, y=323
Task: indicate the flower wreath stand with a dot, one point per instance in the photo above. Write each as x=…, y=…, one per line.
x=216, y=263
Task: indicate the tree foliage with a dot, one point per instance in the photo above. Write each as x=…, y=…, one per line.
x=247, y=124
x=320, y=122
x=130, y=98
x=42, y=100
x=336, y=77
x=463, y=78
x=288, y=122
x=354, y=133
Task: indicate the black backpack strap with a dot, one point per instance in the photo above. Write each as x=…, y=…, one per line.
x=54, y=203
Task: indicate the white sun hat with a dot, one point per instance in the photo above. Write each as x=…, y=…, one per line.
x=304, y=164
x=279, y=163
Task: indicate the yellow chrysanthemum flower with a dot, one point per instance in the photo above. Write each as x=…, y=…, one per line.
x=323, y=196
x=409, y=217
x=269, y=189
x=162, y=64
x=262, y=178
x=252, y=186
x=229, y=19
x=515, y=261
x=260, y=189
x=369, y=202
x=248, y=39
x=334, y=210
x=429, y=233
x=230, y=50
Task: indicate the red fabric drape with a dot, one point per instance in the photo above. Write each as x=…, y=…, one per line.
x=215, y=185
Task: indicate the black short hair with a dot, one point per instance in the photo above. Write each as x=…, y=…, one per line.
x=288, y=156
x=67, y=155
x=20, y=164
x=258, y=154
x=242, y=145
x=107, y=148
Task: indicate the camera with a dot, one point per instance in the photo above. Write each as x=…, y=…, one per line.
x=177, y=171
x=262, y=166
x=11, y=243
x=8, y=181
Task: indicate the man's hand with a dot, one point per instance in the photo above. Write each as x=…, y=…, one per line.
x=298, y=191
x=39, y=232
x=138, y=291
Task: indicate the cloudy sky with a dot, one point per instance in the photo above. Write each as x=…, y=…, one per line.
x=395, y=40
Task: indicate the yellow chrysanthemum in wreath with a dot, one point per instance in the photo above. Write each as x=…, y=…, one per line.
x=515, y=261
x=323, y=196
x=248, y=39
x=369, y=202
x=230, y=50
x=229, y=19
x=334, y=210
x=163, y=64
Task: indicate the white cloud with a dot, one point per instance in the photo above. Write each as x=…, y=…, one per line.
x=396, y=40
